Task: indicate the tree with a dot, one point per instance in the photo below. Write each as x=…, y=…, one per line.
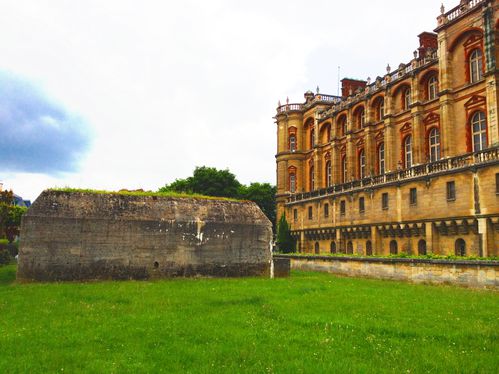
x=10, y=215
x=263, y=194
x=222, y=183
x=285, y=241
x=207, y=181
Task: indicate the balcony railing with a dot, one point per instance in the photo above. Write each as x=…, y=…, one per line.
x=431, y=168
x=289, y=108
x=461, y=10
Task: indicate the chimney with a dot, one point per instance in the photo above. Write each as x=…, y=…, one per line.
x=427, y=40
x=349, y=86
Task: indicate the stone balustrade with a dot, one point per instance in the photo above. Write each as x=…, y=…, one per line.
x=432, y=168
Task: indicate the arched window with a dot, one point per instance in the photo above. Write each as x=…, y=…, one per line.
x=344, y=169
x=408, y=151
x=422, y=247
x=360, y=118
x=317, y=250
x=362, y=164
x=407, y=98
x=381, y=158
x=312, y=138
x=434, y=144
x=393, y=247
x=342, y=126
x=328, y=174
x=350, y=247
x=380, y=113
x=312, y=178
x=479, y=131
x=369, y=248
x=292, y=143
x=432, y=87
x=460, y=247
x=476, y=65
x=292, y=183
x=333, y=247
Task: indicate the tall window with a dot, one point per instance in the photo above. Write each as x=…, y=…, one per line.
x=362, y=164
x=381, y=110
x=384, y=201
x=312, y=138
x=432, y=88
x=295, y=215
x=413, y=196
x=344, y=169
x=408, y=151
x=479, y=131
x=381, y=158
x=292, y=183
x=312, y=179
x=434, y=144
x=342, y=126
x=361, y=118
x=310, y=213
x=326, y=210
x=328, y=174
x=460, y=247
x=407, y=98
x=476, y=66
x=451, y=191
x=362, y=205
x=292, y=143
x=343, y=208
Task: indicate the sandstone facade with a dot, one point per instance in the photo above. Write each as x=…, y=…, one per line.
x=82, y=236
x=407, y=162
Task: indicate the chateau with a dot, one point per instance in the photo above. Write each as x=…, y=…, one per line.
x=408, y=162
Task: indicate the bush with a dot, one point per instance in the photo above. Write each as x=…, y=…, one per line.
x=5, y=257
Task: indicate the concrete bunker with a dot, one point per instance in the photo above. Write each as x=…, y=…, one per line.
x=70, y=235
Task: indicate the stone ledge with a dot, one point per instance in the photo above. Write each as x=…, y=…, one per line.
x=383, y=260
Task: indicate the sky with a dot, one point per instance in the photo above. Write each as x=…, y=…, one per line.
x=134, y=94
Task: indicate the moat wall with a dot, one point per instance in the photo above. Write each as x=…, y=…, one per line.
x=462, y=273
x=84, y=236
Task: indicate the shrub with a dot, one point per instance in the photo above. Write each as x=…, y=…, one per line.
x=5, y=257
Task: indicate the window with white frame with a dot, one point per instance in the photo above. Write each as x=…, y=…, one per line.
x=381, y=158
x=434, y=144
x=476, y=66
x=432, y=88
x=479, y=131
x=408, y=151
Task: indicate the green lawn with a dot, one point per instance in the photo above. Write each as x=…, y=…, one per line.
x=307, y=323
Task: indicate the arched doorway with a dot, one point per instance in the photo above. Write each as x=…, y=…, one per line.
x=317, y=248
x=460, y=247
x=422, y=247
x=333, y=247
x=369, y=248
x=393, y=247
x=350, y=247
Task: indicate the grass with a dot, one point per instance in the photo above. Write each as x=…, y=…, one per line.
x=308, y=323
x=142, y=193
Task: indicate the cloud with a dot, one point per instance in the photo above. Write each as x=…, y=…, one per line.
x=37, y=135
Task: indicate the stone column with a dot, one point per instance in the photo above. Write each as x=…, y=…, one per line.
x=447, y=132
x=483, y=234
x=418, y=136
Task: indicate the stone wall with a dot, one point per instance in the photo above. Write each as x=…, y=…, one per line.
x=79, y=236
x=462, y=273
